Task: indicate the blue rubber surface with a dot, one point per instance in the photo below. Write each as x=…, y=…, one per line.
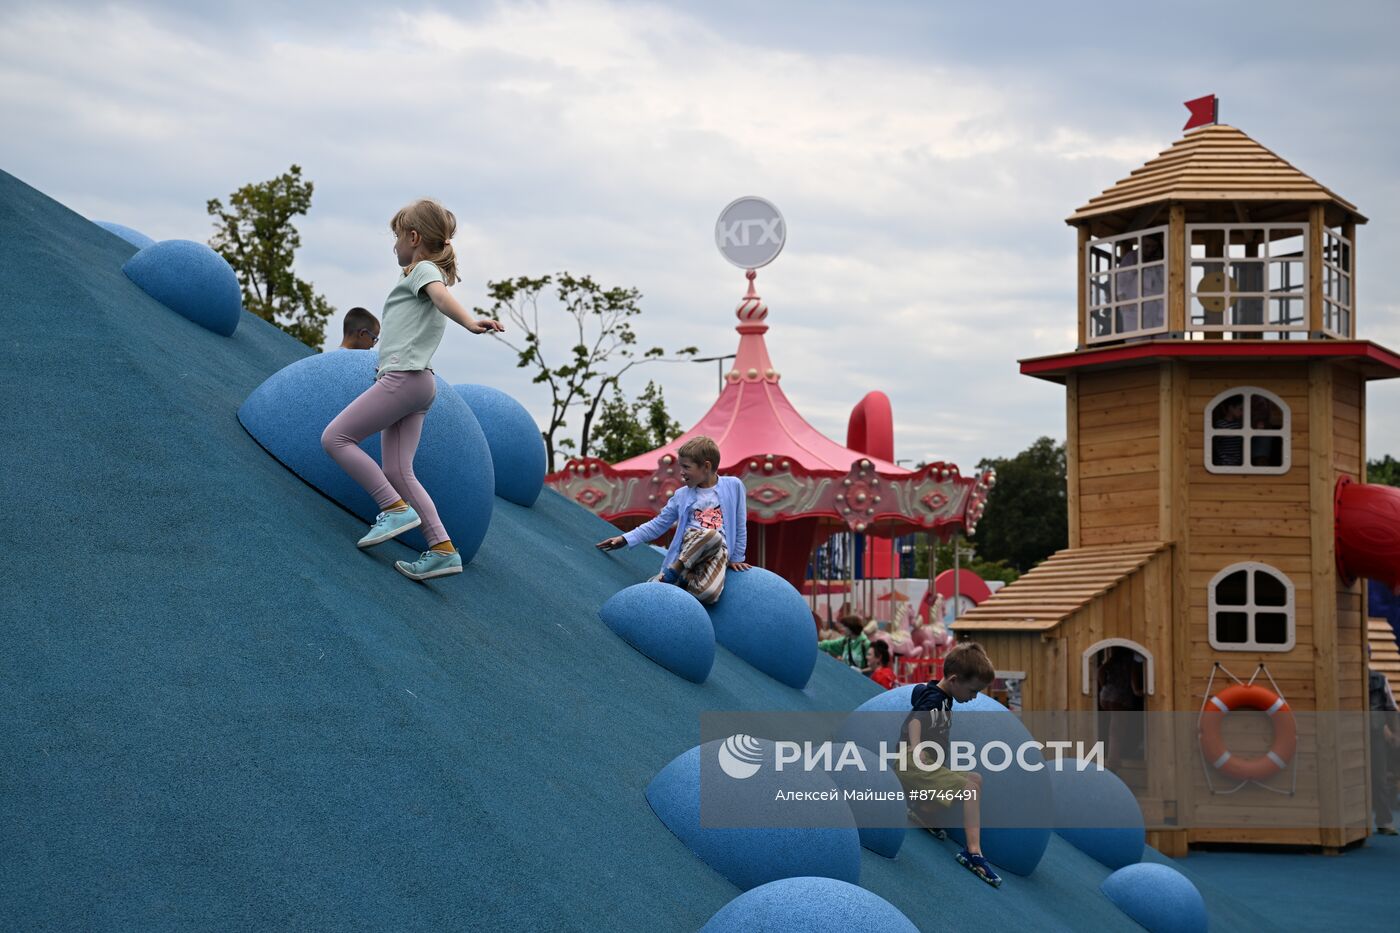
x=755, y=854
x=517, y=449
x=135, y=237
x=809, y=905
x=1159, y=897
x=1096, y=813
x=762, y=619
x=230, y=718
x=190, y=279
x=287, y=414
x=666, y=624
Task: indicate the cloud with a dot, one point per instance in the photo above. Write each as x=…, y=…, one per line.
x=925, y=159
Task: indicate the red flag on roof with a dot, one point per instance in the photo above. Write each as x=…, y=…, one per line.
x=1204, y=110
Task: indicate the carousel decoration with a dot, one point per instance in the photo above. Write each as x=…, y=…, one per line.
x=802, y=486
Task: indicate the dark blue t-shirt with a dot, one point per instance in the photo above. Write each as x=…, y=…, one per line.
x=934, y=708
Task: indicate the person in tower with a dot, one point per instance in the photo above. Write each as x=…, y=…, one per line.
x=710, y=517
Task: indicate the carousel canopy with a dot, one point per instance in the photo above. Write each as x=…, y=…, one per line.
x=791, y=469
x=753, y=416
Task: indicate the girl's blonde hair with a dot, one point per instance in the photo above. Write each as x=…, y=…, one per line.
x=436, y=225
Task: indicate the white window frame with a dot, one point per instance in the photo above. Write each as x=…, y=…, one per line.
x=1288, y=608
x=1148, y=664
x=1112, y=306
x=1247, y=433
x=1300, y=291
x=1333, y=305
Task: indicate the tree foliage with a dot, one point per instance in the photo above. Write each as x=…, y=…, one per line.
x=602, y=346
x=1026, y=519
x=627, y=429
x=1384, y=472
x=943, y=552
x=255, y=234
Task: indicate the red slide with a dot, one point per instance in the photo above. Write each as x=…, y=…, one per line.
x=1368, y=532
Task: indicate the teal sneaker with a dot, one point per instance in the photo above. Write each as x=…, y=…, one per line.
x=390, y=525
x=430, y=564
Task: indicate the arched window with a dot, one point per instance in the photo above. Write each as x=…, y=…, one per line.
x=1090, y=654
x=1248, y=430
x=1251, y=609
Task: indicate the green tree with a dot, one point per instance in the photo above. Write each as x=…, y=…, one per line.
x=255, y=234
x=1026, y=518
x=604, y=347
x=1384, y=472
x=624, y=430
x=943, y=553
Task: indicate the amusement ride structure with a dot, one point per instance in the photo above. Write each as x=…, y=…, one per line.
x=802, y=486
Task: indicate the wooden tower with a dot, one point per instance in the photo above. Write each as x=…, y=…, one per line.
x=1215, y=402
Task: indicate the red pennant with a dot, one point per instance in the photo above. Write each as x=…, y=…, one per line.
x=1204, y=110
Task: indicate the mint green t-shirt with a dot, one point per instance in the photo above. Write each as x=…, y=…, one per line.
x=412, y=327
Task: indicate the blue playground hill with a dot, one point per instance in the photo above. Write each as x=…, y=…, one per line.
x=220, y=715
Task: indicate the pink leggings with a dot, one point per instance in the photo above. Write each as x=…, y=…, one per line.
x=396, y=405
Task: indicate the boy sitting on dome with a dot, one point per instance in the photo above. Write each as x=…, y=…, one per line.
x=709, y=514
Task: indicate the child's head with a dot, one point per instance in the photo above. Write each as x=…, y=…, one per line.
x=424, y=230
x=361, y=330
x=966, y=671
x=853, y=624
x=699, y=460
x=882, y=654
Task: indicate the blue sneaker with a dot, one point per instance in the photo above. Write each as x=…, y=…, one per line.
x=390, y=525
x=430, y=564
x=979, y=866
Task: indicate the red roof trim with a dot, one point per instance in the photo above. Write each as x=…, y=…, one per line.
x=1362, y=351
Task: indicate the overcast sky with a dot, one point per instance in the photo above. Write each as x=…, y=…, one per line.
x=925, y=156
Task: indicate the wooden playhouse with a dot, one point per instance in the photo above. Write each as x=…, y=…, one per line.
x=1215, y=410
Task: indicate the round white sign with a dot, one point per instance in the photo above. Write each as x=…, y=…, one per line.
x=750, y=232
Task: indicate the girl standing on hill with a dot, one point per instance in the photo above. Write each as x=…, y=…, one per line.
x=404, y=388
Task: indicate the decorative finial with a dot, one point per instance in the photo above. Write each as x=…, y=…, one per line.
x=751, y=308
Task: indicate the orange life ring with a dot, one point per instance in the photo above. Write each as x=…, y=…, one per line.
x=1248, y=696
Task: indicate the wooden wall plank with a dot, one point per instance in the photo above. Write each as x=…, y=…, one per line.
x=1176, y=269
x=1072, y=490
x=1316, y=221
x=1324, y=611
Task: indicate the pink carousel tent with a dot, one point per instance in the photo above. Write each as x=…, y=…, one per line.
x=802, y=485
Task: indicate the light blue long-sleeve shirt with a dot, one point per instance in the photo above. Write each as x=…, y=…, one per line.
x=733, y=503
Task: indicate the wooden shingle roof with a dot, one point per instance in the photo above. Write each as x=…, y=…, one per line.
x=1385, y=655
x=1064, y=583
x=1213, y=163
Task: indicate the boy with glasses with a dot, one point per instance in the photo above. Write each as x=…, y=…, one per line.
x=361, y=330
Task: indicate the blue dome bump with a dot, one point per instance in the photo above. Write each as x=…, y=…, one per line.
x=1016, y=805
x=666, y=624
x=290, y=410
x=1158, y=897
x=190, y=279
x=750, y=857
x=809, y=905
x=762, y=619
x=893, y=705
x=517, y=449
x=882, y=823
x=1097, y=814
x=135, y=237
